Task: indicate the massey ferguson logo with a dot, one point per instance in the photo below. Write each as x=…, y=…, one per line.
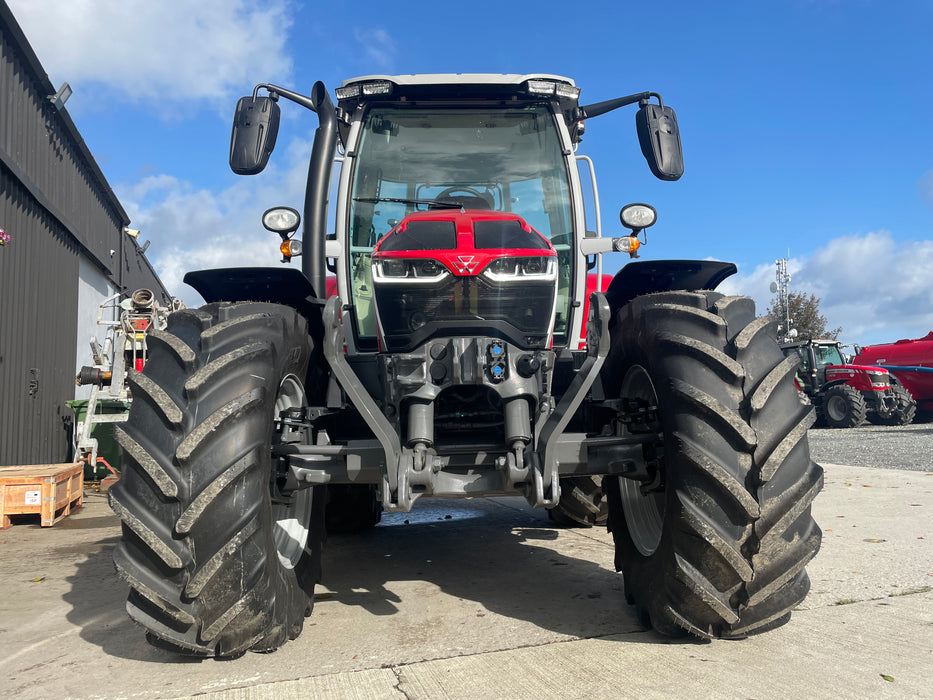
x=466, y=263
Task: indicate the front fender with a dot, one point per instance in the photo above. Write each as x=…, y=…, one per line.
x=284, y=285
x=647, y=277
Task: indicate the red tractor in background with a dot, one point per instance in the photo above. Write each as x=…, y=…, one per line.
x=845, y=395
x=911, y=361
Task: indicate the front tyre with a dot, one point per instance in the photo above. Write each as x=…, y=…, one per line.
x=220, y=557
x=715, y=536
x=902, y=413
x=582, y=502
x=843, y=407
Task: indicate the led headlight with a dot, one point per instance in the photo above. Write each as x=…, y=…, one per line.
x=376, y=87
x=394, y=270
x=550, y=87
x=638, y=216
x=281, y=220
x=538, y=268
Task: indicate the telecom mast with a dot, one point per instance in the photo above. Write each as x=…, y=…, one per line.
x=781, y=287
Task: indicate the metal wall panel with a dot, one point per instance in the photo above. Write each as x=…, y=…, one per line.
x=38, y=279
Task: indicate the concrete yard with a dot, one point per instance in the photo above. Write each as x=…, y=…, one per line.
x=485, y=599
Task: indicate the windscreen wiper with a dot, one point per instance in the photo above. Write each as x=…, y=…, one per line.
x=429, y=203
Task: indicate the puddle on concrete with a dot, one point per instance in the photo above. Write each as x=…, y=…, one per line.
x=431, y=512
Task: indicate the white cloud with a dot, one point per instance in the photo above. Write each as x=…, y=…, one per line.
x=379, y=48
x=878, y=289
x=193, y=229
x=170, y=50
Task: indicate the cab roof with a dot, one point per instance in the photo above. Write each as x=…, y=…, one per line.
x=459, y=79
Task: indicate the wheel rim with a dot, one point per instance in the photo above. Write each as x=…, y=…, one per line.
x=290, y=520
x=644, y=513
x=836, y=407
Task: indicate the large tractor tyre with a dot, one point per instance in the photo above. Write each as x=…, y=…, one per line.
x=352, y=508
x=582, y=502
x=715, y=540
x=843, y=407
x=903, y=413
x=219, y=560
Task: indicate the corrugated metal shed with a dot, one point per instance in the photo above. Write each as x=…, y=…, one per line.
x=38, y=272
x=58, y=208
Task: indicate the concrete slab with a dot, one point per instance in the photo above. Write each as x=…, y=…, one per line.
x=491, y=602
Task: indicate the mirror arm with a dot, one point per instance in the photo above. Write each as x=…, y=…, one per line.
x=595, y=110
x=275, y=92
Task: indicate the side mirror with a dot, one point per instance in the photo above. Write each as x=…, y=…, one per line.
x=255, y=126
x=659, y=137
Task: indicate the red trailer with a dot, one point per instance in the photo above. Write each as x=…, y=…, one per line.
x=911, y=361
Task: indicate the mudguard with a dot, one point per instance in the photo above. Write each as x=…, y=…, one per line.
x=286, y=286
x=647, y=277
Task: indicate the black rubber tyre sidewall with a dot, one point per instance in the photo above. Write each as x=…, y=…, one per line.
x=582, y=502
x=250, y=601
x=665, y=597
x=856, y=410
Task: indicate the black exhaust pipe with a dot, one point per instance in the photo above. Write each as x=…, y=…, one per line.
x=313, y=262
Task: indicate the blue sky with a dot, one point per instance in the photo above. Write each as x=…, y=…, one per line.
x=806, y=124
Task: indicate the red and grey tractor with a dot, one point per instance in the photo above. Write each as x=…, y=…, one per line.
x=845, y=395
x=445, y=360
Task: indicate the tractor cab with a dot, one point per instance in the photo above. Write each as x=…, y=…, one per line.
x=495, y=143
x=816, y=357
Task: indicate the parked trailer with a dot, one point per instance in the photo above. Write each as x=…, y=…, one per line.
x=911, y=361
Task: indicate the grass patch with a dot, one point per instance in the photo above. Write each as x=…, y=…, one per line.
x=911, y=591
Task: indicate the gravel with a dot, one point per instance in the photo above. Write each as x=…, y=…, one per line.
x=902, y=447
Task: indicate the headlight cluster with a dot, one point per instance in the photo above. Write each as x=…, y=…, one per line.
x=538, y=268
x=375, y=87
x=426, y=270
x=552, y=87
x=878, y=378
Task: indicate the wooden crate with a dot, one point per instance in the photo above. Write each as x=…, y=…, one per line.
x=51, y=490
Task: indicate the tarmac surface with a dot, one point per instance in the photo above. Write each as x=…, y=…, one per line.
x=485, y=599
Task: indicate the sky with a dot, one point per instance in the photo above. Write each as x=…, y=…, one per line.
x=807, y=125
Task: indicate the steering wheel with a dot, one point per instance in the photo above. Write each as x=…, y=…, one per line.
x=467, y=197
x=450, y=191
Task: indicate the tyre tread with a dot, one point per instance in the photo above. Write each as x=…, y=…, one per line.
x=735, y=561
x=194, y=550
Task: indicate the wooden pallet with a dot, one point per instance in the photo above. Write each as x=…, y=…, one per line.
x=51, y=490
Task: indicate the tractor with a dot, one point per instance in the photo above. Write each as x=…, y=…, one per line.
x=446, y=339
x=845, y=395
